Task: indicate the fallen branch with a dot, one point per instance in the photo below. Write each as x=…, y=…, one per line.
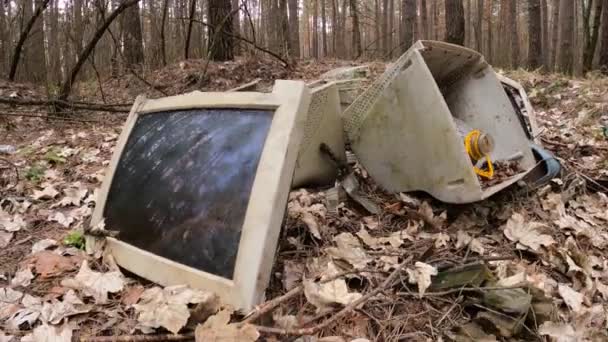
x=50, y=117
x=65, y=104
x=388, y=283
x=139, y=338
x=459, y=290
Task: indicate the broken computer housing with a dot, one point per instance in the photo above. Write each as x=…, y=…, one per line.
x=409, y=128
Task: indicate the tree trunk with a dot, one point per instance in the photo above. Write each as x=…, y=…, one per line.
x=555, y=18
x=189, y=32
x=323, y=28
x=377, y=26
x=490, y=52
x=40, y=7
x=283, y=27
x=409, y=20
x=132, y=37
x=604, y=42
x=544, y=15
x=566, y=34
x=294, y=29
x=479, y=26
x=67, y=84
x=356, y=29
x=163, y=45
x=468, y=31
x=334, y=27
x=220, y=19
x=391, y=27
x=513, y=32
x=534, y=35
x=236, y=26
x=454, y=19
x=54, y=46
x=4, y=42
x=424, y=19
x=315, y=29
x=591, y=34
x=384, y=28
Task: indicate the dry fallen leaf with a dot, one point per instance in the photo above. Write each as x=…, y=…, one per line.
x=464, y=239
x=218, y=329
x=395, y=239
x=49, y=192
x=421, y=275
x=132, y=294
x=349, y=249
x=168, y=307
x=48, y=264
x=11, y=223
x=43, y=244
x=559, y=332
x=61, y=218
x=23, y=277
x=573, y=299
x=526, y=235
x=5, y=238
x=49, y=333
x=96, y=284
x=73, y=195
x=55, y=311
x=322, y=295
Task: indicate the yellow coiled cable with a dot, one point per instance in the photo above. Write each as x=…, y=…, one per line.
x=472, y=147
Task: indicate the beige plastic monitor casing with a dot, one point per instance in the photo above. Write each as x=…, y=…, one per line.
x=264, y=215
x=402, y=128
x=323, y=125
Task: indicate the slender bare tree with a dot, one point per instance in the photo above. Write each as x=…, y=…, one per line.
x=454, y=18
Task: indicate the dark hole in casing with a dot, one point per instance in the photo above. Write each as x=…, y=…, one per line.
x=182, y=184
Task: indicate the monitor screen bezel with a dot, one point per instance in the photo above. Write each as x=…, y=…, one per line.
x=289, y=102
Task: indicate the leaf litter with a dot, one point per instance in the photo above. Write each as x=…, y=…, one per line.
x=543, y=249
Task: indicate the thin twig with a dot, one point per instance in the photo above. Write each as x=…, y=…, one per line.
x=138, y=338
x=50, y=117
x=459, y=290
x=72, y=105
x=388, y=282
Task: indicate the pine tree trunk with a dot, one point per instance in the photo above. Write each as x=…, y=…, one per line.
x=189, y=32
x=546, y=47
x=356, y=29
x=555, y=18
x=4, y=43
x=294, y=29
x=604, y=41
x=591, y=33
x=488, y=15
x=54, y=45
x=163, y=21
x=323, y=28
x=219, y=42
x=479, y=26
x=283, y=27
x=334, y=27
x=378, y=24
x=315, y=29
x=565, y=56
x=391, y=27
x=468, y=31
x=424, y=19
x=513, y=30
x=409, y=20
x=534, y=35
x=454, y=18
x=384, y=28
x=236, y=26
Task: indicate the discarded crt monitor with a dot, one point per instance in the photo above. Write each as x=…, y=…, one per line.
x=323, y=126
x=197, y=188
x=423, y=123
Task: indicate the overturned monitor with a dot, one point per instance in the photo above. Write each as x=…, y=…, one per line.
x=323, y=126
x=410, y=128
x=198, y=185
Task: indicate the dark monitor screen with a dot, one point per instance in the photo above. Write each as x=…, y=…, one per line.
x=182, y=184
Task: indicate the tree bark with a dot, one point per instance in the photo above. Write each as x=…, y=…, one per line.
x=604, y=43
x=163, y=45
x=534, y=35
x=283, y=27
x=544, y=15
x=220, y=19
x=479, y=26
x=555, y=17
x=565, y=56
x=23, y=37
x=513, y=32
x=67, y=84
x=591, y=31
x=454, y=19
x=334, y=27
x=236, y=26
x=488, y=15
x=315, y=29
x=424, y=19
x=384, y=28
x=409, y=20
x=294, y=29
x=324, y=28
x=356, y=28
x=4, y=43
x=132, y=36
x=377, y=26
x=391, y=27
x=189, y=32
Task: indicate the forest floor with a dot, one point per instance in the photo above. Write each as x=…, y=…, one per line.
x=526, y=264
